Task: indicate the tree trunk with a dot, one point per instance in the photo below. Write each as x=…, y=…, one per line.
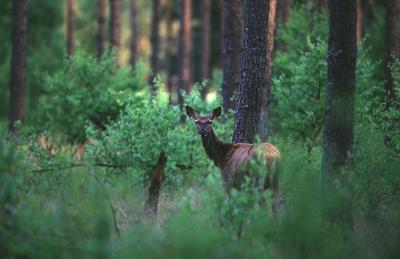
x=155, y=39
x=115, y=28
x=221, y=32
x=100, y=28
x=205, y=44
x=264, y=117
x=185, y=48
x=283, y=11
x=392, y=48
x=18, y=63
x=134, y=33
x=359, y=21
x=339, y=109
x=157, y=177
x=322, y=3
x=253, y=78
x=232, y=50
x=169, y=47
x=282, y=17
x=70, y=27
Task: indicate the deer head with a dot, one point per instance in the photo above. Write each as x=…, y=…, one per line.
x=203, y=123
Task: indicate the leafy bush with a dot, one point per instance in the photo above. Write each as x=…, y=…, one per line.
x=86, y=90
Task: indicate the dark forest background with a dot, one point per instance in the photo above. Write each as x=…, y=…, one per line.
x=98, y=157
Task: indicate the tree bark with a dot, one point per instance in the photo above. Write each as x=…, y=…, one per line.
x=392, y=48
x=359, y=21
x=134, y=33
x=185, y=48
x=171, y=56
x=264, y=116
x=100, y=28
x=155, y=38
x=322, y=3
x=205, y=44
x=253, y=78
x=169, y=46
x=232, y=50
x=283, y=11
x=18, y=63
x=221, y=32
x=115, y=28
x=339, y=108
x=70, y=27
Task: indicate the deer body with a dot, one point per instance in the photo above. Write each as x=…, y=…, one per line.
x=233, y=158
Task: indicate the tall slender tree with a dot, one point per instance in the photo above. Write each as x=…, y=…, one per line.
x=134, y=32
x=70, y=27
x=221, y=31
x=264, y=116
x=232, y=50
x=205, y=43
x=392, y=50
x=253, y=78
x=339, y=108
x=155, y=36
x=282, y=17
x=169, y=45
x=115, y=27
x=185, y=48
x=18, y=63
x=100, y=27
x=283, y=10
x=322, y=3
x=359, y=21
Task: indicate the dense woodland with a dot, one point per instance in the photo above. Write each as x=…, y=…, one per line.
x=138, y=129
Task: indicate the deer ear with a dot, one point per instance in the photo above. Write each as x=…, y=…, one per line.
x=216, y=112
x=190, y=112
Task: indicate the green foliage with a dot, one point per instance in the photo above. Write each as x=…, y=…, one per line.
x=12, y=165
x=85, y=90
x=300, y=94
x=391, y=116
x=55, y=206
x=300, y=80
x=45, y=50
x=147, y=127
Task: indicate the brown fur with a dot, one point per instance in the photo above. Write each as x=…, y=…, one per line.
x=233, y=158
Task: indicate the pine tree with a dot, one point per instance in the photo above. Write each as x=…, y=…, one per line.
x=134, y=32
x=115, y=27
x=339, y=107
x=100, y=27
x=185, y=48
x=266, y=98
x=232, y=50
x=253, y=78
x=18, y=63
x=70, y=27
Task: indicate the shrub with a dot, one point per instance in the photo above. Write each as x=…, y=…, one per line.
x=86, y=90
x=144, y=129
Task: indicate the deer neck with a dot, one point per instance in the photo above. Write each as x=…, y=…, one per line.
x=216, y=149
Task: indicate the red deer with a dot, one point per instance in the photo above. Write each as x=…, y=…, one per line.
x=233, y=158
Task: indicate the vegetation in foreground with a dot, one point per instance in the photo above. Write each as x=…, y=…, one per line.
x=54, y=204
